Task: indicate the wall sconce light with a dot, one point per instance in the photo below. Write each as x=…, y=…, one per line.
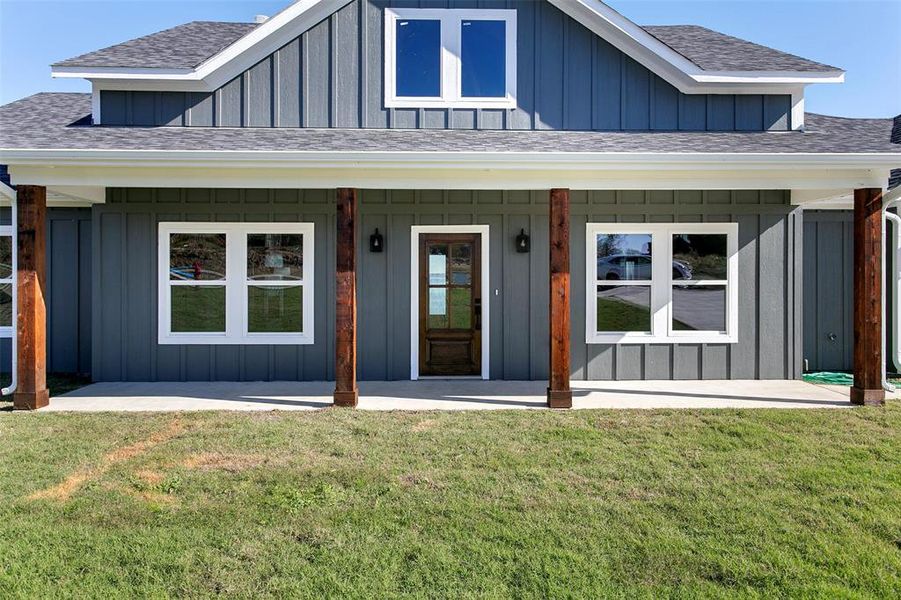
x=376, y=241
x=523, y=243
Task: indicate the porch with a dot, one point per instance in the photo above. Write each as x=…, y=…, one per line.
x=444, y=395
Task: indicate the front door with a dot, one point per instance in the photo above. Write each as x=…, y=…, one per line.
x=450, y=305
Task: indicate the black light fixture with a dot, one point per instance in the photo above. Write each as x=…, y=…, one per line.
x=376, y=241
x=523, y=243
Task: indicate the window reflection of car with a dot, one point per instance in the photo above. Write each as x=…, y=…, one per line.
x=635, y=266
x=192, y=274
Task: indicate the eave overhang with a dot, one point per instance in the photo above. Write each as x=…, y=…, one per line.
x=437, y=170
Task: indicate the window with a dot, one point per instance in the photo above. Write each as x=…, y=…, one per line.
x=235, y=283
x=450, y=58
x=662, y=283
x=6, y=282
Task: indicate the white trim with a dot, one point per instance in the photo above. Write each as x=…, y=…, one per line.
x=95, y=105
x=452, y=171
x=451, y=66
x=235, y=284
x=661, y=284
x=598, y=17
x=483, y=231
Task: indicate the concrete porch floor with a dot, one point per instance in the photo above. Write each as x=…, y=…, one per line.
x=449, y=395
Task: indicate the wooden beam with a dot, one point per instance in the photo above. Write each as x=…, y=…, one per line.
x=31, y=392
x=867, y=388
x=346, y=393
x=559, y=394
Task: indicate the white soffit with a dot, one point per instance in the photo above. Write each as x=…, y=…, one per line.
x=595, y=15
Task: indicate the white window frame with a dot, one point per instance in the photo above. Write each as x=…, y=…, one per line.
x=451, y=63
x=7, y=331
x=662, y=284
x=236, y=284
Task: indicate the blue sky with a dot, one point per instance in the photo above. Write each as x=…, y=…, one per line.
x=860, y=36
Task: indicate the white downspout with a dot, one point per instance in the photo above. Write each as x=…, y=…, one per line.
x=14, y=283
x=891, y=199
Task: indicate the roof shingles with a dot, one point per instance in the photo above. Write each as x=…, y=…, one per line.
x=56, y=121
x=714, y=51
x=182, y=47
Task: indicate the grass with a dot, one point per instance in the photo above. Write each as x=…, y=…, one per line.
x=526, y=504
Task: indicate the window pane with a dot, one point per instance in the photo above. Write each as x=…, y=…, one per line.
x=699, y=308
x=438, y=317
x=6, y=305
x=197, y=256
x=275, y=256
x=275, y=309
x=6, y=257
x=484, y=58
x=461, y=308
x=624, y=308
x=461, y=264
x=418, y=44
x=699, y=256
x=438, y=265
x=624, y=256
x=198, y=309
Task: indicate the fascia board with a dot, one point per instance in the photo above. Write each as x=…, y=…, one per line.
x=432, y=160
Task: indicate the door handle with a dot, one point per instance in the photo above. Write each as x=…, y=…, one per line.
x=478, y=314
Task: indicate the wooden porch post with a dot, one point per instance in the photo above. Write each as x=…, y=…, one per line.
x=867, y=388
x=346, y=393
x=32, y=392
x=559, y=394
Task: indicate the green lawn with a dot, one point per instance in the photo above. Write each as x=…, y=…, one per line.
x=529, y=504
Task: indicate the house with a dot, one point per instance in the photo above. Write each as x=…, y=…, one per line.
x=378, y=190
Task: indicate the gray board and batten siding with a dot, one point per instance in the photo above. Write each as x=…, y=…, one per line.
x=332, y=76
x=68, y=292
x=125, y=284
x=828, y=290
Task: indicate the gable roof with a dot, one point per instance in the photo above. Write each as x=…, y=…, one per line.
x=182, y=47
x=714, y=51
x=693, y=59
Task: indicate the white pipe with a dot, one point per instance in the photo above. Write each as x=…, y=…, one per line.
x=896, y=282
x=14, y=283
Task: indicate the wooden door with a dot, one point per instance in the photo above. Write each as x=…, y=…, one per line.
x=450, y=305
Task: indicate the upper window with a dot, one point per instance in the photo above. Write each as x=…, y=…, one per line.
x=235, y=283
x=462, y=58
x=662, y=283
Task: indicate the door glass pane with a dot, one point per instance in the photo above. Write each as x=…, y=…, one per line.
x=275, y=256
x=624, y=308
x=624, y=256
x=461, y=308
x=275, y=309
x=438, y=264
x=699, y=256
x=6, y=257
x=418, y=60
x=461, y=264
x=699, y=308
x=6, y=305
x=198, y=309
x=438, y=317
x=197, y=256
x=484, y=58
